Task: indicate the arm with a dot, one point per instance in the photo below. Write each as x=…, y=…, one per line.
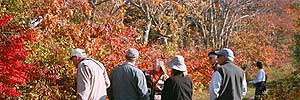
x=106, y=78
x=166, y=95
x=142, y=84
x=244, y=86
x=160, y=83
x=259, y=77
x=83, y=82
x=215, y=85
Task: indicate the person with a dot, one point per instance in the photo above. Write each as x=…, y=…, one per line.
x=157, y=77
x=92, y=78
x=128, y=82
x=213, y=60
x=229, y=81
x=179, y=85
x=259, y=80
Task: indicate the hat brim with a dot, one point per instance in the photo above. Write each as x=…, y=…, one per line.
x=181, y=67
x=71, y=57
x=218, y=53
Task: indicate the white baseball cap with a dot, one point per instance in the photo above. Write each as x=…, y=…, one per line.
x=78, y=53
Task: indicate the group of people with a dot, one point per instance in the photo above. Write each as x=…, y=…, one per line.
x=229, y=81
x=128, y=82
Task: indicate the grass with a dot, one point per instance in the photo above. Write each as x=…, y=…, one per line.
x=204, y=94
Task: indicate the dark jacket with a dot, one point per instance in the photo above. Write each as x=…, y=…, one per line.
x=177, y=88
x=231, y=86
x=128, y=83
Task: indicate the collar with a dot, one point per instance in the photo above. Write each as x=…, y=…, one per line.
x=225, y=62
x=130, y=63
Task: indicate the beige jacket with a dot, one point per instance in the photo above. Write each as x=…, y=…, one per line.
x=92, y=80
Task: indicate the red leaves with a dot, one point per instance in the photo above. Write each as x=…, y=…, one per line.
x=14, y=72
x=4, y=20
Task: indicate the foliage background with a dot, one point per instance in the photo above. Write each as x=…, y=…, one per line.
x=47, y=30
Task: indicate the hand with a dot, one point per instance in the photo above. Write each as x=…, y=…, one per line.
x=165, y=77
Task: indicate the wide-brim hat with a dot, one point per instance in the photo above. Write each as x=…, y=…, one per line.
x=177, y=63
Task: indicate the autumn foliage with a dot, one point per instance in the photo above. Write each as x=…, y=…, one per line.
x=15, y=72
x=44, y=32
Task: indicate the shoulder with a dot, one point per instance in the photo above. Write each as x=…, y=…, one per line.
x=174, y=78
x=87, y=61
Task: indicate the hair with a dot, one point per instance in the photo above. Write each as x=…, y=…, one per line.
x=130, y=58
x=177, y=72
x=211, y=53
x=259, y=64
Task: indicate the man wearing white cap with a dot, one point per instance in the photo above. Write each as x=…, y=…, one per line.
x=128, y=82
x=229, y=81
x=179, y=85
x=92, y=78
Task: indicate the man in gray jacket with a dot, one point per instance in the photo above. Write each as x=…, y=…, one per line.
x=128, y=82
x=229, y=81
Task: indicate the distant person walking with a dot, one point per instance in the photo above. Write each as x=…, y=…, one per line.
x=259, y=81
x=179, y=85
x=92, y=79
x=229, y=81
x=128, y=81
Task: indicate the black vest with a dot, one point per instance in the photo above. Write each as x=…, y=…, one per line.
x=232, y=79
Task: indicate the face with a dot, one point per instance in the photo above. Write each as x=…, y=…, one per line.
x=75, y=60
x=212, y=59
x=157, y=66
x=221, y=59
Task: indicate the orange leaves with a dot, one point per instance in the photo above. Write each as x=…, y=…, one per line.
x=180, y=8
x=87, y=9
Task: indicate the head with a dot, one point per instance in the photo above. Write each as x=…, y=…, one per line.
x=224, y=54
x=159, y=66
x=212, y=57
x=177, y=65
x=77, y=55
x=132, y=55
x=259, y=64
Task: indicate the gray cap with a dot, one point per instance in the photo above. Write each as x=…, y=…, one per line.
x=177, y=63
x=132, y=53
x=227, y=53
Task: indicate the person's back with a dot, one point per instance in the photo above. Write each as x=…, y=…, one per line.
x=179, y=85
x=178, y=88
x=232, y=77
x=125, y=81
x=94, y=71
